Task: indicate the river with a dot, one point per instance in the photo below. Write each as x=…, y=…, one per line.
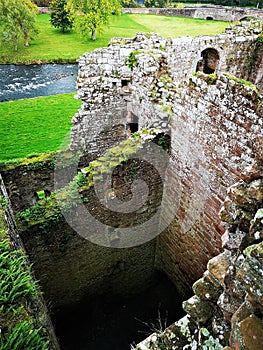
x=26, y=81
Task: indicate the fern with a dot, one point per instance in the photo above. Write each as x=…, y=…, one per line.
x=24, y=337
x=17, y=331
x=15, y=278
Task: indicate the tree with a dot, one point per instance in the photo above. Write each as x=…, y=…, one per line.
x=42, y=3
x=91, y=15
x=129, y=3
x=60, y=16
x=17, y=21
x=149, y=3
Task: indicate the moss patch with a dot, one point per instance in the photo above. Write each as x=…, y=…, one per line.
x=242, y=82
x=50, y=209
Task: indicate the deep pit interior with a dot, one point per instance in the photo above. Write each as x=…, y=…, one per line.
x=104, y=297
x=117, y=321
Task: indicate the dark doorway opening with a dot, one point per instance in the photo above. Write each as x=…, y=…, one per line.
x=133, y=127
x=114, y=322
x=209, y=18
x=247, y=18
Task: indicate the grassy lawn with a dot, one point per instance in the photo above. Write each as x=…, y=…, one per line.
x=52, y=46
x=169, y=26
x=35, y=125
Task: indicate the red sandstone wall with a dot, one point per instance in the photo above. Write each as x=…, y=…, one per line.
x=212, y=147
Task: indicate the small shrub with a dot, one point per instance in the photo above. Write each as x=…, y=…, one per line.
x=180, y=5
x=129, y=3
x=15, y=279
x=197, y=74
x=17, y=290
x=80, y=179
x=132, y=61
x=3, y=202
x=259, y=41
x=149, y=3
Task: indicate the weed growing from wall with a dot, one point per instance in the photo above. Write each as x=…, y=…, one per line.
x=132, y=61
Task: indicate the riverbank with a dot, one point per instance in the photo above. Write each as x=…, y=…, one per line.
x=51, y=46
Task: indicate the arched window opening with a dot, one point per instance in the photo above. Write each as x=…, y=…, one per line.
x=208, y=62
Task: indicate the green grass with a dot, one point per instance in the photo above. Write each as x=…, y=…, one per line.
x=169, y=26
x=52, y=46
x=35, y=125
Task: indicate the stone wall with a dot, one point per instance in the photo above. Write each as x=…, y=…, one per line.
x=220, y=13
x=43, y=10
x=24, y=179
x=111, y=91
x=73, y=258
x=70, y=268
x=212, y=121
x=24, y=308
x=226, y=309
x=213, y=136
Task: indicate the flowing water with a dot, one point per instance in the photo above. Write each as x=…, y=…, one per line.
x=25, y=81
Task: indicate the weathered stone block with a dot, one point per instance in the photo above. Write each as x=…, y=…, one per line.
x=248, y=334
x=250, y=274
x=207, y=288
x=219, y=265
x=201, y=311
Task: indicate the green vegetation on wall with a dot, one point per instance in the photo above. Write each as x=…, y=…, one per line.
x=49, y=210
x=17, y=291
x=242, y=82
